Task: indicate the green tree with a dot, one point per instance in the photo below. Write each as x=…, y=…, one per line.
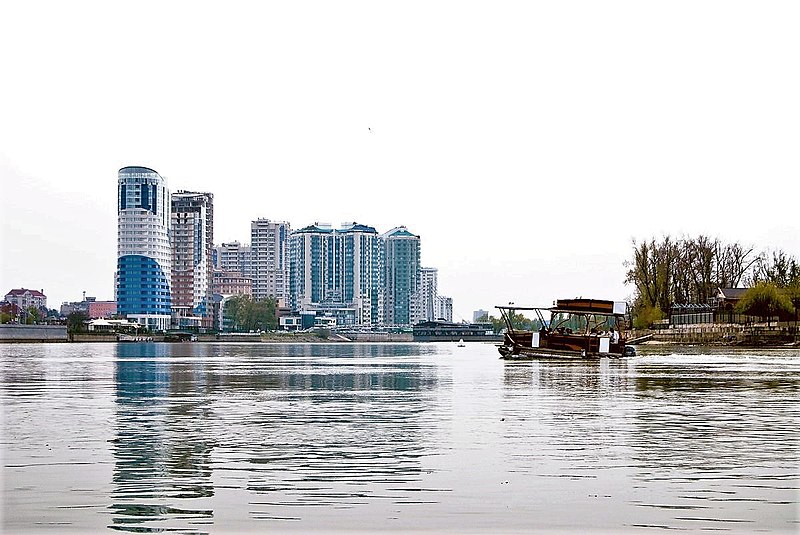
x=518, y=322
x=75, y=322
x=497, y=323
x=32, y=315
x=248, y=314
x=323, y=333
x=764, y=300
x=690, y=269
x=5, y=317
x=652, y=272
x=645, y=316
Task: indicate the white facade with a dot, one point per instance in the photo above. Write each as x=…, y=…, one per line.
x=144, y=252
x=25, y=298
x=269, y=268
x=141, y=232
x=426, y=297
x=444, y=308
x=235, y=257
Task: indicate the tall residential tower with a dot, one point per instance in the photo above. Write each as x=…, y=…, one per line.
x=192, y=233
x=268, y=267
x=402, y=276
x=144, y=255
x=337, y=272
x=426, y=295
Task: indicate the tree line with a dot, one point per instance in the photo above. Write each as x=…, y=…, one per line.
x=670, y=271
x=247, y=314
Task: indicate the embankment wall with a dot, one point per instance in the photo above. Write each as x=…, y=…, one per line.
x=724, y=334
x=33, y=333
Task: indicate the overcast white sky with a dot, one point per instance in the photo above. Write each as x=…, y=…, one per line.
x=527, y=143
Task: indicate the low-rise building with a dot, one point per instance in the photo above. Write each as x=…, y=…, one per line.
x=101, y=309
x=24, y=298
x=231, y=283
x=91, y=307
x=105, y=325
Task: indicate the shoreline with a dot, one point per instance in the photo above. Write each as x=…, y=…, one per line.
x=321, y=341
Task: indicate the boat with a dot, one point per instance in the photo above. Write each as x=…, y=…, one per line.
x=133, y=338
x=445, y=331
x=461, y=343
x=570, y=329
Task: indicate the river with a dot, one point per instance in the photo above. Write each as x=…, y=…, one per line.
x=236, y=437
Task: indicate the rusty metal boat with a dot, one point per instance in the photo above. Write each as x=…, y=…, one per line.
x=570, y=329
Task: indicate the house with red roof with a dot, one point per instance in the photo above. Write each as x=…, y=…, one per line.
x=24, y=298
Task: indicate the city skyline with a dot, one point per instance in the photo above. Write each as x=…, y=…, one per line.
x=168, y=264
x=527, y=144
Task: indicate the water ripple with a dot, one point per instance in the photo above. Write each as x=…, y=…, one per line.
x=204, y=438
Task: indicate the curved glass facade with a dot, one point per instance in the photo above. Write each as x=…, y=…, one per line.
x=144, y=254
x=142, y=287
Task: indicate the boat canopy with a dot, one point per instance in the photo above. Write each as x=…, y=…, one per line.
x=579, y=306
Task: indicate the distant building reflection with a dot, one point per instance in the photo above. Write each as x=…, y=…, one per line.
x=263, y=418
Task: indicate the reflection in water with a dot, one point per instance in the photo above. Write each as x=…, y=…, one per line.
x=307, y=425
x=721, y=431
x=162, y=451
x=256, y=437
x=710, y=426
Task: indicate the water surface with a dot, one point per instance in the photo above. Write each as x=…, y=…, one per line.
x=217, y=438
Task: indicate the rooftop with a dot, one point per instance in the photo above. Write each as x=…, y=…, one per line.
x=21, y=291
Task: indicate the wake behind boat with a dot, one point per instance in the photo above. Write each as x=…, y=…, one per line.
x=575, y=328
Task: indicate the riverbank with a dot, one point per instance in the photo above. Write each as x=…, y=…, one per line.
x=281, y=338
x=759, y=335
x=21, y=334
x=756, y=336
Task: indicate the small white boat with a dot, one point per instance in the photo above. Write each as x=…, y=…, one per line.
x=461, y=343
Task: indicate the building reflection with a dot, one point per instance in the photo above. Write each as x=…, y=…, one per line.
x=162, y=454
x=254, y=419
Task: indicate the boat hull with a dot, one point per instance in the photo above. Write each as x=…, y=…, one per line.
x=561, y=347
x=521, y=353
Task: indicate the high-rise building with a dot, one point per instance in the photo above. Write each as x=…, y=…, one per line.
x=444, y=308
x=269, y=259
x=192, y=234
x=426, y=296
x=401, y=275
x=308, y=265
x=337, y=272
x=234, y=257
x=478, y=314
x=358, y=271
x=144, y=255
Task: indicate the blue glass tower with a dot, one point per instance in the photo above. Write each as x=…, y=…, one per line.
x=144, y=255
x=401, y=259
x=336, y=269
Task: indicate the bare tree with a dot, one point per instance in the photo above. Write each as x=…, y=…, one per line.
x=732, y=263
x=778, y=268
x=651, y=272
